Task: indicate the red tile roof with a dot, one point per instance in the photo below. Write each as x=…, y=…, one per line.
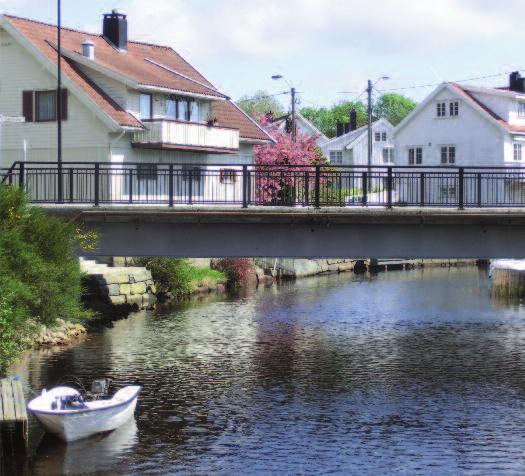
x=229, y=115
x=469, y=96
x=144, y=63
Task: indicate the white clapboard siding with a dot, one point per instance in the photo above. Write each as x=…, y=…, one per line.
x=19, y=72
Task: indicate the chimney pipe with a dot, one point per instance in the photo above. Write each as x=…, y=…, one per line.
x=88, y=49
x=340, y=129
x=353, y=120
x=115, y=29
x=347, y=127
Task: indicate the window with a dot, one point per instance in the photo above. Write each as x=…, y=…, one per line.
x=194, y=111
x=377, y=136
x=383, y=136
x=441, y=109
x=183, y=110
x=196, y=173
x=146, y=172
x=336, y=157
x=388, y=155
x=228, y=176
x=171, y=109
x=146, y=106
x=415, y=156
x=448, y=192
x=521, y=109
x=46, y=106
x=518, y=152
x=454, y=108
x=448, y=155
x=42, y=106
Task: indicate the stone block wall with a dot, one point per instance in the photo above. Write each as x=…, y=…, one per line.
x=120, y=286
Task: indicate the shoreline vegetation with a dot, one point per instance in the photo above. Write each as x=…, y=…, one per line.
x=40, y=278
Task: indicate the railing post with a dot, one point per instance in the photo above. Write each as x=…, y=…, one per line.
x=306, y=196
x=249, y=186
x=21, y=177
x=389, y=188
x=71, y=185
x=422, y=189
x=97, y=184
x=170, y=186
x=461, y=187
x=245, y=179
x=190, y=186
x=480, y=203
x=365, y=188
x=130, y=200
x=60, y=184
x=317, y=200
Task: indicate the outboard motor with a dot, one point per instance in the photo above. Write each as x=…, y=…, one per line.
x=100, y=388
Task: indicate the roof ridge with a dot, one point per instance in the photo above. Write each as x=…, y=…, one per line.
x=84, y=32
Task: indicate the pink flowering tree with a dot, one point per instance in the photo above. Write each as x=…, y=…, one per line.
x=276, y=184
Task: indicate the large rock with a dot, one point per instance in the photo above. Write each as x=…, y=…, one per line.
x=138, y=288
x=117, y=300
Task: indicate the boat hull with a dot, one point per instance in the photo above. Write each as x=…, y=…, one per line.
x=76, y=425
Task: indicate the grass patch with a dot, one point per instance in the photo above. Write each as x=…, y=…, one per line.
x=206, y=277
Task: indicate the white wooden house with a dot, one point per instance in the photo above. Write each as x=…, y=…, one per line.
x=123, y=101
x=352, y=148
x=468, y=126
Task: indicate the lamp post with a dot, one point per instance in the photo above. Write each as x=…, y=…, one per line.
x=369, y=90
x=59, y=100
x=292, y=93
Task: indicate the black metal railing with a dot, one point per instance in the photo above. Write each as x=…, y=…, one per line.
x=265, y=185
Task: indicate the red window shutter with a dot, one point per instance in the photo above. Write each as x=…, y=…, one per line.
x=64, y=104
x=28, y=106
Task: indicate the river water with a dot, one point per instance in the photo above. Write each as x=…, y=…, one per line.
x=415, y=372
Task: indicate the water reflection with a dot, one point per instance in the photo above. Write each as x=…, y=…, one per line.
x=56, y=457
x=405, y=372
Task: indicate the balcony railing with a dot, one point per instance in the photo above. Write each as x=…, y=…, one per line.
x=267, y=185
x=175, y=134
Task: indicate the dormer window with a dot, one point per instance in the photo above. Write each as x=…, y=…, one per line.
x=521, y=110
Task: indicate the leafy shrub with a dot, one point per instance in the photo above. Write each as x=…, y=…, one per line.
x=40, y=277
x=170, y=274
x=237, y=270
x=178, y=277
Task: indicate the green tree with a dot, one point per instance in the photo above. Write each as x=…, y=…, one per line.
x=325, y=119
x=394, y=107
x=259, y=104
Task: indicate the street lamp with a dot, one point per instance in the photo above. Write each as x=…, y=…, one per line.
x=59, y=99
x=369, y=90
x=277, y=77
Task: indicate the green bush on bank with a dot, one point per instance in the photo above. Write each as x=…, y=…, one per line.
x=40, y=278
x=178, y=276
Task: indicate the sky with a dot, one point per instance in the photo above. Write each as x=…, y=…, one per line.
x=322, y=47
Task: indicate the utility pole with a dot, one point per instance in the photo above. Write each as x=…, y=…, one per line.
x=294, y=129
x=59, y=100
x=369, y=90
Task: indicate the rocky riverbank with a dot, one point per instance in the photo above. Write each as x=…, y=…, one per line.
x=64, y=333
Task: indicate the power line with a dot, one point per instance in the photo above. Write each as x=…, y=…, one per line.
x=420, y=86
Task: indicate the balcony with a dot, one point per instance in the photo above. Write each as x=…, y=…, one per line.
x=189, y=136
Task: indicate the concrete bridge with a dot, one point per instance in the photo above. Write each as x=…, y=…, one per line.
x=297, y=232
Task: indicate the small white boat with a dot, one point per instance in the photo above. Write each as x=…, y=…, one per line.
x=63, y=411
